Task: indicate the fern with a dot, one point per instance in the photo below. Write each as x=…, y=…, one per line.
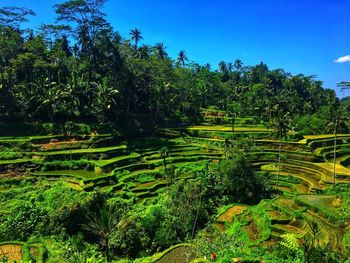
x=290, y=241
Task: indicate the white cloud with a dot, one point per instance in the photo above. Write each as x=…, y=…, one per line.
x=343, y=59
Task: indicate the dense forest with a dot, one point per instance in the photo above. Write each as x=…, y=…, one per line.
x=80, y=68
x=112, y=151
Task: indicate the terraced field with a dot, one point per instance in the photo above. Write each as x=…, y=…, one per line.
x=306, y=173
x=136, y=168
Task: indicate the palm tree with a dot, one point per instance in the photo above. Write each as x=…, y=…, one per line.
x=207, y=66
x=238, y=64
x=136, y=36
x=229, y=67
x=233, y=108
x=182, y=57
x=222, y=67
x=102, y=222
x=280, y=114
x=233, y=105
x=339, y=120
x=142, y=52
x=336, y=122
x=281, y=123
x=69, y=126
x=163, y=152
x=160, y=48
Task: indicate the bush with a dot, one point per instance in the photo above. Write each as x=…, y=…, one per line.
x=237, y=180
x=62, y=165
x=41, y=212
x=50, y=128
x=26, y=220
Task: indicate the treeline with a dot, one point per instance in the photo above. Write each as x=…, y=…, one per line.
x=81, y=69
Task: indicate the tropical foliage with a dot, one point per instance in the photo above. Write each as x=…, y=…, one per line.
x=112, y=151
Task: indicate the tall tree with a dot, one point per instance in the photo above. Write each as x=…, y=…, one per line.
x=238, y=65
x=160, y=49
x=182, y=57
x=11, y=16
x=207, y=66
x=53, y=32
x=280, y=117
x=233, y=105
x=281, y=123
x=332, y=127
x=136, y=36
x=229, y=67
x=143, y=52
x=344, y=85
x=164, y=152
x=338, y=120
x=88, y=18
x=102, y=221
x=222, y=67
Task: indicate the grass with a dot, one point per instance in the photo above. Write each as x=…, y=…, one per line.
x=310, y=179
x=177, y=253
x=16, y=161
x=82, y=151
x=81, y=174
x=227, y=216
x=115, y=160
x=327, y=149
x=325, y=204
x=145, y=178
x=325, y=136
x=226, y=128
x=325, y=142
x=29, y=138
x=11, y=155
x=344, y=160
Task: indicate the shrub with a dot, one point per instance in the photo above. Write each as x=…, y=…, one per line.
x=238, y=181
x=25, y=220
x=50, y=128
x=61, y=165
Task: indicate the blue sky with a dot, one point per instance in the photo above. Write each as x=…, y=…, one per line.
x=299, y=36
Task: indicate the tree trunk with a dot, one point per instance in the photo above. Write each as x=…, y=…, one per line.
x=279, y=161
x=335, y=155
x=156, y=114
x=197, y=214
x=164, y=163
x=128, y=103
x=233, y=120
x=107, y=249
x=70, y=147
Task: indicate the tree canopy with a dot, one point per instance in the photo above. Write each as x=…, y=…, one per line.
x=84, y=69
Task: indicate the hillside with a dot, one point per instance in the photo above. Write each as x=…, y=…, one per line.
x=112, y=150
x=305, y=205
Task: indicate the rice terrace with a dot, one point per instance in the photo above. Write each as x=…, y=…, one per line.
x=112, y=151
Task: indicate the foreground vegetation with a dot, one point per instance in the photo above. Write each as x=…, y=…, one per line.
x=77, y=200
x=111, y=151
